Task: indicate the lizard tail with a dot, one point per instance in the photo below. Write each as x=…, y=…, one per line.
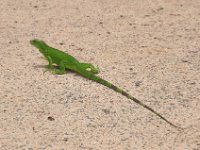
x=115, y=88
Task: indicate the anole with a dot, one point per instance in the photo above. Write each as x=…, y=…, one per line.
x=87, y=70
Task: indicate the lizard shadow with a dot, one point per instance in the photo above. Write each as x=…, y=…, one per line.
x=53, y=67
x=39, y=66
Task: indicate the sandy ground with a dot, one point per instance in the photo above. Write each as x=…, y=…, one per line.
x=150, y=48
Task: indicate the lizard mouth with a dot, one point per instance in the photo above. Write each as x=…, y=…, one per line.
x=35, y=41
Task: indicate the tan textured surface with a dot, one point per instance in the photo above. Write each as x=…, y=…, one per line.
x=150, y=48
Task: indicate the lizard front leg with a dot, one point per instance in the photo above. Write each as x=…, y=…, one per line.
x=50, y=62
x=61, y=69
x=49, y=66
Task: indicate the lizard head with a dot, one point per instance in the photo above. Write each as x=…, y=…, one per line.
x=41, y=45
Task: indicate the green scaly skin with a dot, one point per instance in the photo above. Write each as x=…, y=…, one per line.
x=66, y=61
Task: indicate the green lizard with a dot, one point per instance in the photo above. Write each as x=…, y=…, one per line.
x=66, y=61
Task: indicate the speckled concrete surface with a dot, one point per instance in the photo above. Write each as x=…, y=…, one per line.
x=150, y=48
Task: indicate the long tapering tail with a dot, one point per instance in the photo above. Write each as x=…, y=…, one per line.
x=115, y=88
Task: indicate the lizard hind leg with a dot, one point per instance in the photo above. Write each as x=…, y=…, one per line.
x=90, y=67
